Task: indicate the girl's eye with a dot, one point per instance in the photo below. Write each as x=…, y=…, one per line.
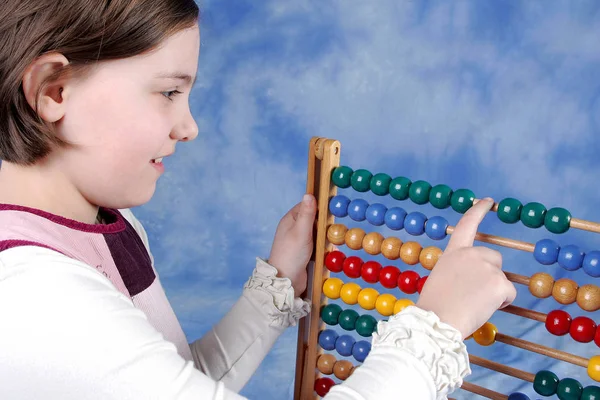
x=170, y=94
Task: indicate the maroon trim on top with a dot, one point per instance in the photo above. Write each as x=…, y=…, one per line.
x=114, y=220
x=131, y=259
x=9, y=244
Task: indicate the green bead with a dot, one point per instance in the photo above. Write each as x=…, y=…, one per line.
x=347, y=319
x=380, y=184
x=533, y=215
x=557, y=220
x=590, y=393
x=419, y=192
x=462, y=200
x=341, y=176
x=399, y=188
x=509, y=210
x=545, y=383
x=361, y=180
x=569, y=389
x=440, y=196
x=330, y=314
x=365, y=325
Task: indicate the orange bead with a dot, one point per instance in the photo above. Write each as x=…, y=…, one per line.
x=349, y=293
x=593, y=368
x=588, y=297
x=565, y=291
x=429, y=257
x=336, y=234
x=354, y=238
x=401, y=304
x=390, y=248
x=342, y=369
x=332, y=287
x=409, y=252
x=325, y=363
x=540, y=285
x=367, y=298
x=486, y=335
x=371, y=243
x=385, y=304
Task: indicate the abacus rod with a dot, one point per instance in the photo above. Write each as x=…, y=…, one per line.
x=524, y=312
x=485, y=392
x=499, y=240
x=543, y=350
x=521, y=279
x=575, y=223
x=502, y=368
x=585, y=225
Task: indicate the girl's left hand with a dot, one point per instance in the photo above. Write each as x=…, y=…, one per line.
x=293, y=243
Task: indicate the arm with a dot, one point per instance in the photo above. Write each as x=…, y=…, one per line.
x=234, y=348
x=68, y=333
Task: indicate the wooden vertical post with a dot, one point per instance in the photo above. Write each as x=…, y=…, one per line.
x=323, y=158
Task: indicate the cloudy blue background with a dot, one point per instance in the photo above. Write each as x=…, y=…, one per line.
x=502, y=97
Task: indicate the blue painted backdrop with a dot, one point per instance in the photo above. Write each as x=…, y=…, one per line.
x=499, y=97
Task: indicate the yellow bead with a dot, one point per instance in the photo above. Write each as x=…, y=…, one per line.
x=332, y=287
x=594, y=368
x=349, y=293
x=401, y=304
x=367, y=298
x=486, y=335
x=385, y=304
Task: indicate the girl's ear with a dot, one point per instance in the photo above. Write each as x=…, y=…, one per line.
x=49, y=101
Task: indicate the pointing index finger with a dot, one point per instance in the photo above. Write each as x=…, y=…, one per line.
x=466, y=228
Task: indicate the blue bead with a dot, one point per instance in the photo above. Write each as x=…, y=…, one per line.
x=436, y=227
x=360, y=350
x=394, y=218
x=357, y=209
x=327, y=339
x=414, y=223
x=546, y=251
x=518, y=396
x=338, y=205
x=570, y=257
x=591, y=263
x=376, y=214
x=344, y=345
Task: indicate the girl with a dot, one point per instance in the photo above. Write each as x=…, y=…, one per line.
x=94, y=96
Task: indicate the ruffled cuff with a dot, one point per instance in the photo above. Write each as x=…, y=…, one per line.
x=436, y=344
x=275, y=295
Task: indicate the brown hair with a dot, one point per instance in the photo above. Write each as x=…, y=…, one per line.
x=85, y=32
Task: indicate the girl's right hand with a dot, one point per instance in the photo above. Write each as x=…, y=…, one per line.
x=467, y=284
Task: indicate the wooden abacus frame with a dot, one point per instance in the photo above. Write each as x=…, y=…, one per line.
x=323, y=158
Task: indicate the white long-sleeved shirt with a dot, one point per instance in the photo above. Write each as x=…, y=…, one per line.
x=83, y=316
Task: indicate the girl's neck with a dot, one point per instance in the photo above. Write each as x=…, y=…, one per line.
x=44, y=189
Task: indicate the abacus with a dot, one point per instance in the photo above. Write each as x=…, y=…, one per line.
x=350, y=292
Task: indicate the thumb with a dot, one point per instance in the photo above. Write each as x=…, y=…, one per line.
x=306, y=214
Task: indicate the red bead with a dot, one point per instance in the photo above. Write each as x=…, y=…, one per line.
x=597, y=336
x=334, y=261
x=408, y=281
x=352, y=266
x=388, y=277
x=558, y=322
x=420, y=283
x=370, y=271
x=322, y=386
x=583, y=329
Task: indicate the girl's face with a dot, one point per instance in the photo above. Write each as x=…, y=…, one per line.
x=123, y=117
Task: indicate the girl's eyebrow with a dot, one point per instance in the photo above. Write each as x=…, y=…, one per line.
x=178, y=76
